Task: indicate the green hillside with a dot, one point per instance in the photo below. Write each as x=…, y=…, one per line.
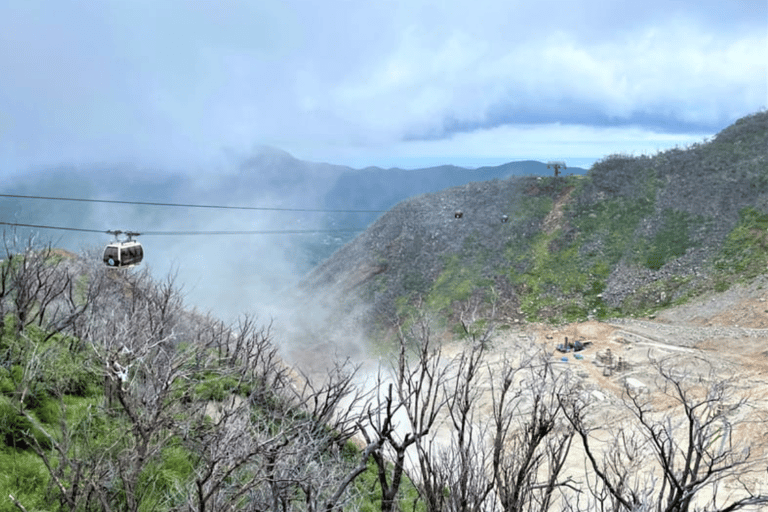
x=635, y=234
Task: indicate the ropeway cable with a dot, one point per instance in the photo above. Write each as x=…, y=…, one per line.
x=191, y=233
x=184, y=205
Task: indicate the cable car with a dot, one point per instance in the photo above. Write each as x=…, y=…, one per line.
x=123, y=253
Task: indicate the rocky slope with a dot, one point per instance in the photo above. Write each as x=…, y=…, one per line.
x=633, y=235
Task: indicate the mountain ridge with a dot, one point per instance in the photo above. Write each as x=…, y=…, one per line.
x=632, y=235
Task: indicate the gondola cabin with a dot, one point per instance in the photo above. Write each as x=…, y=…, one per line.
x=123, y=254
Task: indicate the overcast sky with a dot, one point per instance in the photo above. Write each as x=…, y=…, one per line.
x=189, y=84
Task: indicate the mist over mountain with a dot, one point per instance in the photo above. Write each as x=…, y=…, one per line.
x=380, y=189
x=374, y=188
x=225, y=274
x=632, y=235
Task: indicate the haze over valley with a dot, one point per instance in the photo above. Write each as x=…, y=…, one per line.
x=238, y=103
x=488, y=256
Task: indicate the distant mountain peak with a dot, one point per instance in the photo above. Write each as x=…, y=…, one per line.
x=268, y=157
x=272, y=151
x=632, y=235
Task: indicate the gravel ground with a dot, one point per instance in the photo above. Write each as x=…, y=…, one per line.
x=721, y=336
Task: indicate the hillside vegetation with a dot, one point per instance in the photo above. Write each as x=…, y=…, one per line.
x=635, y=234
x=114, y=397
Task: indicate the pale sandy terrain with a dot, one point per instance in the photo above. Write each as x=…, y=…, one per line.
x=723, y=336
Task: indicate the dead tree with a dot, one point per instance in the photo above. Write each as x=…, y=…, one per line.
x=41, y=287
x=131, y=347
x=531, y=438
x=454, y=476
x=257, y=434
x=405, y=408
x=279, y=439
x=331, y=417
x=663, y=460
x=385, y=445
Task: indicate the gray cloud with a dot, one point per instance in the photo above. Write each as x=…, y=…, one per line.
x=179, y=83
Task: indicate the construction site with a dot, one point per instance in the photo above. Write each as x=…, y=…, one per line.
x=719, y=342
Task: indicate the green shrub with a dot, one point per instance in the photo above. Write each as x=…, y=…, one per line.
x=16, y=431
x=215, y=387
x=7, y=381
x=48, y=411
x=744, y=253
x=456, y=282
x=558, y=281
x=65, y=372
x=24, y=476
x=90, y=426
x=164, y=478
x=671, y=242
x=369, y=490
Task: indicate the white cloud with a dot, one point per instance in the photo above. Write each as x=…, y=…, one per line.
x=177, y=81
x=676, y=71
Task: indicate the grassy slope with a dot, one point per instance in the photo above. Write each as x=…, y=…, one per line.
x=683, y=222
x=66, y=399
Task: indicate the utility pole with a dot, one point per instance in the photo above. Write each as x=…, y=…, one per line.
x=556, y=164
